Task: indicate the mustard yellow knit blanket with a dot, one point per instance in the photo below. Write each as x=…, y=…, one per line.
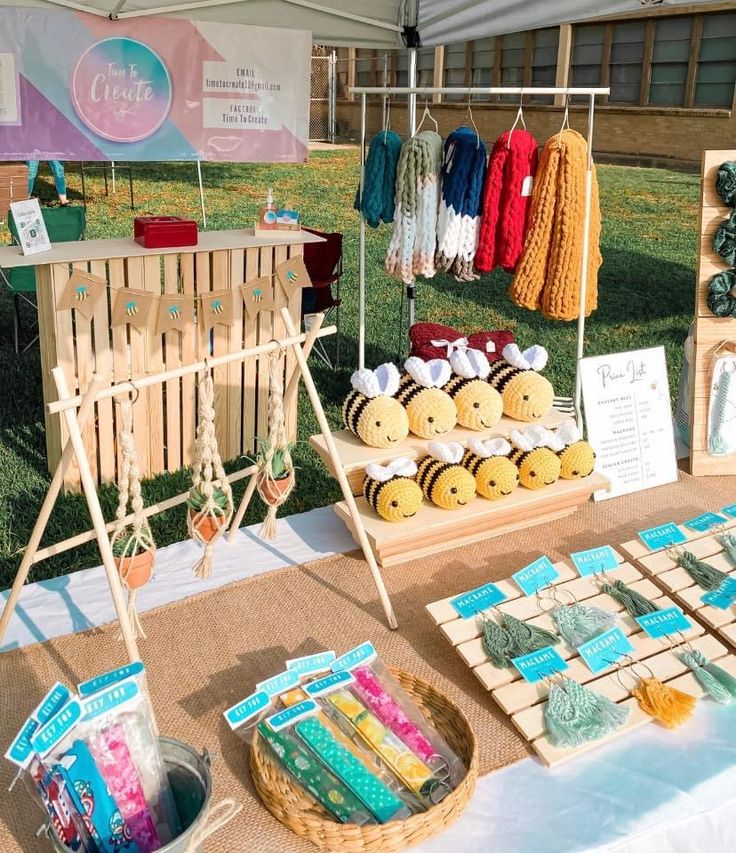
x=548, y=274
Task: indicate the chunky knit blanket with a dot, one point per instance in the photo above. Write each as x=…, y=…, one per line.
x=463, y=170
x=548, y=273
x=379, y=183
x=506, y=198
x=412, y=247
x=435, y=340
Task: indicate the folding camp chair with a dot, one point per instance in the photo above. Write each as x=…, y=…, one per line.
x=324, y=265
x=64, y=224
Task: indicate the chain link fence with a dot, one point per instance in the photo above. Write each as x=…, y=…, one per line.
x=322, y=96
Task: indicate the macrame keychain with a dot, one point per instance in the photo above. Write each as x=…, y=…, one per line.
x=275, y=468
x=574, y=714
x=632, y=601
x=132, y=545
x=705, y=576
x=728, y=540
x=576, y=622
x=511, y=638
x=210, y=499
x=722, y=409
x=717, y=683
x=669, y=706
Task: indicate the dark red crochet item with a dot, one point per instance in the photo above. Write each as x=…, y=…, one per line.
x=504, y=219
x=421, y=336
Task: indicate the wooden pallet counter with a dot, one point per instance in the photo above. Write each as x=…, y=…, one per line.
x=524, y=703
x=164, y=417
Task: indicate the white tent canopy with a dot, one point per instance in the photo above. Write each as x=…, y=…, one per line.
x=375, y=24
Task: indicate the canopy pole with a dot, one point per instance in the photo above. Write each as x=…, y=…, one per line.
x=411, y=290
x=584, y=270
x=201, y=193
x=361, y=271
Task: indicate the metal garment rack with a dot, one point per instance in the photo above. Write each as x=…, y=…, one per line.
x=469, y=91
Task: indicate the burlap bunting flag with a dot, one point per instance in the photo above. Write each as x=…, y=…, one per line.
x=217, y=308
x=133, y=307
x=83, y=292
x=175, y=313
x=258, y=295
x=293, y=273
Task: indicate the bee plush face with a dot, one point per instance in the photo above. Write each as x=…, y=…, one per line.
x=496, y=478
x=577, y=461
x=539, y=468
x=431, y=413
x=442, y=479
x=392, y=491
x=528, y=396
x=371, y=412
x=479, y=406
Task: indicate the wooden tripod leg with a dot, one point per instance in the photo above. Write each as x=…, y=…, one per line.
x=39, y=528
x=340, y=473
x=291, y=389
x=98, y=520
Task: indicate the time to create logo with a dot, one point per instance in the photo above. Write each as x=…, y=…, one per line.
x=121, y=90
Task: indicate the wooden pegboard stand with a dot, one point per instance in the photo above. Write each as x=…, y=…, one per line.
x=710, y=331
x=525, y=703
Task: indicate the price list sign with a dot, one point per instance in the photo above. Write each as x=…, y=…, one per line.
x=629, y=419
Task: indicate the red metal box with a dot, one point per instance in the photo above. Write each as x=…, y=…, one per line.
x=164, y=232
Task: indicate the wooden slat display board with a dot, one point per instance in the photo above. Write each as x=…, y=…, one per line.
x=525, y=703
x=676, y=582
x=710, y=331
x=164, y=415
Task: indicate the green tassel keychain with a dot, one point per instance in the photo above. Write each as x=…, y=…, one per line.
x=717, y=683
x=704, y=575
x=728, y=540
x=526, y=638
x=496, y=643
x=632, y=601
x=574, y=714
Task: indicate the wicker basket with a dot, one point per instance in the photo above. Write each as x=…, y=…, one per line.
x=289, y=804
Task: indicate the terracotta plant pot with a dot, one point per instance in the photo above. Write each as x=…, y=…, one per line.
x=273, y=490
x=208, y=525
x=135, y=572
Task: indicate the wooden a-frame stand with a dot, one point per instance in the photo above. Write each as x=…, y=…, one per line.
x=76, y=411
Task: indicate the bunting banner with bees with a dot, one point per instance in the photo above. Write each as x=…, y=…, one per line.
x=217, y=308
x=132, y=307
x=258, y=295
x=175, y=313
x=82, y=292
x=293, y=273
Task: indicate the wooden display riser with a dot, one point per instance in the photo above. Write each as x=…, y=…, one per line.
x=675, y=581
x=525, y=703
x=356, y=456
x=433, y=529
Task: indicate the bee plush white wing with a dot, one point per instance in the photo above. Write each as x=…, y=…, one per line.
x=568, y=432
x=522, y=441
x=470, y=364
x=365, y=382
x=490, y=447
x=388, y=377
x=429, y=374
x=446, y=451
x=398, y=468
x=534, y=358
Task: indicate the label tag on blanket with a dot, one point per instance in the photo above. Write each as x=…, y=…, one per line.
x=526, y=186
x=605, y=650
x=730, y=510
x=594, y=560
x=723, y=596
x=662, y=536
x=704, y=522
x=535, y=576
x=480, y=598
x=662, y=623
x=540, y=664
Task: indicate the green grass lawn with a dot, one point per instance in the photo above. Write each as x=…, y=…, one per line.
x=646, y=299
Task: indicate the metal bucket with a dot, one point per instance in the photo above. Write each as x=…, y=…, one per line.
x=191, y=784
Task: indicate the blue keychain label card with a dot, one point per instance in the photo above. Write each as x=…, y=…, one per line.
x=480, y=598
x=540, y=664
x=601, y=559
x=662, y=623
x=730, y=510
x=605, y=650
x=535, y=576
x=723, y=596
x=662, y=536
x=703, y=523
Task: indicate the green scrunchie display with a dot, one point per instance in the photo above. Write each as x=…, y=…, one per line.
x=726, y=182
x=722, y=294
x=724, y=241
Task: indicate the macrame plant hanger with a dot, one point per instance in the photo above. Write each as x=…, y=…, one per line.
x=210, y=498
x=275, y=491
x=132, y=544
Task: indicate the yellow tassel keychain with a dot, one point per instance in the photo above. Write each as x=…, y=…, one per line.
x=669, y=706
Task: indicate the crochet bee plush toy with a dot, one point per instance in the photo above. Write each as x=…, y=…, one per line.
x=538, y=465
x=443, y=479
x=527, y=396
x=392, y=490
x=370, y=410
x=431, y=411
x=479, y=406
x=488, y=461
x=577, y=457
